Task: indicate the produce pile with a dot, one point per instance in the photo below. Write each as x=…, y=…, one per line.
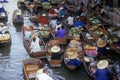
x=75, y=31
x=94, y=20
x=46, y=5
x=53, y=1
x=90, y=51
x=4, y=37
x=44, y=31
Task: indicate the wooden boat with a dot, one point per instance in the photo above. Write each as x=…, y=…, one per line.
x=15, y=18
x=42, y=53
x=55, y=62
x=30, y=67
x=76, y=49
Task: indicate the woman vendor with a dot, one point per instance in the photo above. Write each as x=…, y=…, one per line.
x=72, y=59
x=102, y=72
x=43, y=20
x=56, y=55
x=101, y=44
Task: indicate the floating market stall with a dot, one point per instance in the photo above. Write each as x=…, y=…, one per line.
x=54, y=62
x=73, y=55
x=41, y=53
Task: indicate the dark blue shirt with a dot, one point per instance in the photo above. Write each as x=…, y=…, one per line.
x=102, y=74
x=74, y=62
x=79, y=23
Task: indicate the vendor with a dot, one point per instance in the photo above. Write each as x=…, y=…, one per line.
x=72, y=58
x=101, y=44
x=102, y=72
x=61, y=33
x=56, y=55
x=34, y=45
x=42, y=74
x=43, y=20
x=79, y=23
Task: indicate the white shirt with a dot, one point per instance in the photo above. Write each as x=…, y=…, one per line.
x=43, y=76
x=70, y=20
x=28, y=35
x=35, y=47
x=53, y=23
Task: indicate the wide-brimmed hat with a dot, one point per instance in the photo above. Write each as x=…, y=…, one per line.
x=72, y=55
x=101, y=43
x=102, y=64
x=1, y=24
x=55, y=49
x=44, y=15
x=40, y=71
x=18, y=13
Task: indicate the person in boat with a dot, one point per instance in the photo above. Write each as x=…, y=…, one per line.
x=102, y=72
x=28, y=31
x=70, y=21
x=43, y=74
x=53, y=12
x=1, y=8
x=43, y=20
x=58, y=26
x=83, y=18
x=101, y=46
x=72, y=58
x=18, y=16
x=34, y=45
x=62, y=13
x=79, y=23
x=53, y=23
x=56, y=55
x=61, y=33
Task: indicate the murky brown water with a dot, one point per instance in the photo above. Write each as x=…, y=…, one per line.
x=11, y=56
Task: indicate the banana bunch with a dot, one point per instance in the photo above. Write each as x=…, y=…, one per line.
x=75, y=31
x=44, y=31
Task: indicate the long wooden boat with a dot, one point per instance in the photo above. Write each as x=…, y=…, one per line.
x=71, y=50
x=15, y=18
x=55, y=62
x=30, y=67
x=42, y=53
x=71, y=8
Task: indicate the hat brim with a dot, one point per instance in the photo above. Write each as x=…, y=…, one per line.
x=101, y=45
x=71, y=55
x=55, y=50
x=102, y=64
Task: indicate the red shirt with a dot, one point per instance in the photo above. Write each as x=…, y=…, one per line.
x=43, y=20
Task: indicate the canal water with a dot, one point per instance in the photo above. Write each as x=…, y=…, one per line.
x=11, y=56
